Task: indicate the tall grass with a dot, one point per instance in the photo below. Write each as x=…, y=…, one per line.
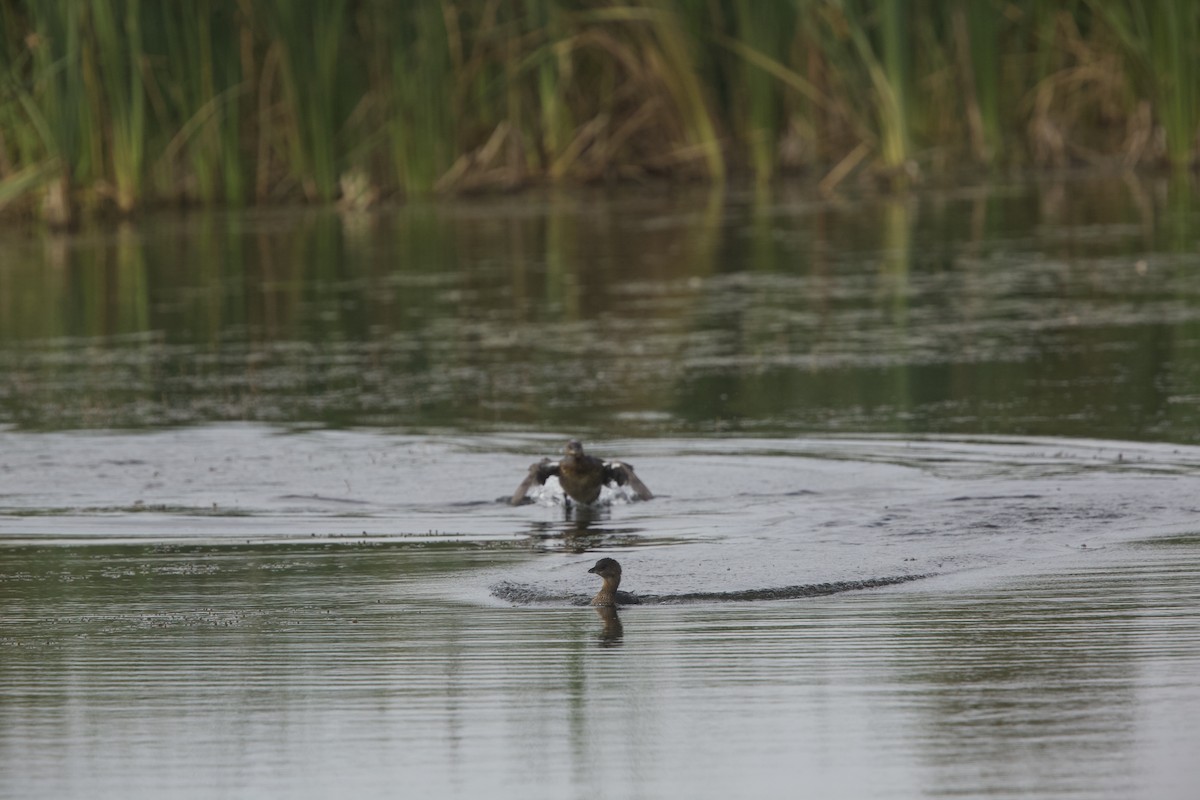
x=198, y=91
x=118, y=58
x=1162, y=40
x=417, y=50
x=763, y=30
x=51, y=123
x=977, y=44
x=119, y=103
x=312, y=43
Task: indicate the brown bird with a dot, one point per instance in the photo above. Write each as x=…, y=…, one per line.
x=581, y=476
x=610, y=571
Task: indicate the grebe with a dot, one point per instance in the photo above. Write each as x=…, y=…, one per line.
x=610, y=571
x=581, y=476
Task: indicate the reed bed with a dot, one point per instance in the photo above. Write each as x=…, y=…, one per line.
x=117, y=104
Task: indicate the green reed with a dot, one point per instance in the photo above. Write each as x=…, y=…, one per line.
x=313, y=47
x=766, y=30
x=890, y=76
x=47, y=95
x=417, y=53
x=118, y=103
x=1162, y=40
x=553, y=68
x=977, y=44
x=198, y=89
x=119, y=60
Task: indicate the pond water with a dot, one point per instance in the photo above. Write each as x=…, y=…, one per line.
x=925, y=519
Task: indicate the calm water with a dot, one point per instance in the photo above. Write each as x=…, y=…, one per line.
x=253, y=543
x=1069, y=309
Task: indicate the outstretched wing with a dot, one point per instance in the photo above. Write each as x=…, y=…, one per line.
x=621, y=474
x=537, y=474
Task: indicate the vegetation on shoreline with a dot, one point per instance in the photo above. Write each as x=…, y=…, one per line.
x=115, y=104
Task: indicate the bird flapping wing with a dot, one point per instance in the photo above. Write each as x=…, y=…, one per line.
x=538, y=472
x=621, y=474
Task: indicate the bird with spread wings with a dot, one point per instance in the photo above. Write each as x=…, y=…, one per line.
x=581, y=476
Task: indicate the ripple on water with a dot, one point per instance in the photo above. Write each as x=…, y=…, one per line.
x=531, y=595
x=1072, y=679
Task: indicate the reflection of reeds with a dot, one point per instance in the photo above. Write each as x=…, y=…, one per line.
x=120, y=102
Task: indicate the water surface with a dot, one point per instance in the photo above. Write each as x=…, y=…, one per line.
x=917, y=693
x=254, y=543
x=1057, y=309
x=218, y=634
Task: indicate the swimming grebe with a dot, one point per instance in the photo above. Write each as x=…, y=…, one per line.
x=610, y=571
x=581, y=476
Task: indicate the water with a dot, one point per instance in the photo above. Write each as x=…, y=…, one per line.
x=1039, y=687
x=1062, y=310
x=253, y=540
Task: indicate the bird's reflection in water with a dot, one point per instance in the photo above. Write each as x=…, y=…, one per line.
x=583, y=515
x=612, y=632
x=579, y=535
x=575, y=535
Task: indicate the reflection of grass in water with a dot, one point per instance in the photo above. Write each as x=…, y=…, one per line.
x=578, y=315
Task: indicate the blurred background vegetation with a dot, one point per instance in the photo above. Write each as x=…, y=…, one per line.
x=116, y=104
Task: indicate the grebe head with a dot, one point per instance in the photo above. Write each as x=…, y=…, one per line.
x=607, y=568
x=574, y=448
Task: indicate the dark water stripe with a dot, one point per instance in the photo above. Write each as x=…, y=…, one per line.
x=522, y=594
